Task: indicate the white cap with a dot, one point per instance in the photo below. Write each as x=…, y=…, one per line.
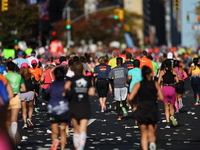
x=170, y=55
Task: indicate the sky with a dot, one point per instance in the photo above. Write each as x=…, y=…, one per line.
x=188, y=35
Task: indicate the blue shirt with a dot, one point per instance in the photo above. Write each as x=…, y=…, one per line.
x=3, y=95
x=20, y=61
x=103, y=71
x=57, y=104
x=136, y=74
x=128, y=65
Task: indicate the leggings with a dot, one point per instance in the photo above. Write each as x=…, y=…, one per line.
x=102, y=87
x=195, y=83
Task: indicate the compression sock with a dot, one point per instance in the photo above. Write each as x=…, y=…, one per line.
x=82, y=138
x=176, y=106
x=76, y=141
x=14, y=128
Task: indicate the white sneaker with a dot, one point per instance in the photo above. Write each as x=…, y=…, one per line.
x=152, y=146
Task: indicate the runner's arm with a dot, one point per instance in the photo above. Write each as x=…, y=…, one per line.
x=160, y=94
x=134, y=91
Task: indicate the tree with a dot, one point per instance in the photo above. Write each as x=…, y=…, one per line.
x=19, y=22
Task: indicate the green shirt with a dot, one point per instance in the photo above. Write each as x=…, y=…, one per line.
x=15, y=81
x=155, y=67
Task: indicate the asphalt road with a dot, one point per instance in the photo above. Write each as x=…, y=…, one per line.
x=105, y=132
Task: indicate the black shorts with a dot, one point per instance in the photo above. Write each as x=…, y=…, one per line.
x=58, y=118
x=179, y=87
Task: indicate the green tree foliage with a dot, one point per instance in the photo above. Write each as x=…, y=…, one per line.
x=19, y=22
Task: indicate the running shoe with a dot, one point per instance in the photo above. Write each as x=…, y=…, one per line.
x=119, y=118
x=152, y=146
x=196, y=104
x=167, y=126
x=30, y=124
x=125, y=113
x=135, y=126
x=55, y=144
x=104, y=107
x=36, y=110
x=174, y=121
x=177, y=111
x=25, y=126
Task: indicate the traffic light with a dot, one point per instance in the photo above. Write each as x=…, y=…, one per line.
x=188, y=19
x=176, y=4
x=68, y=24
x=116, y=13
x=126, y=27
x=121, y=15
x=4, y=5
x=53, y=33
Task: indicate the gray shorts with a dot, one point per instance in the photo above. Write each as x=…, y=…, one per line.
x=120, y=93
x=28, y=96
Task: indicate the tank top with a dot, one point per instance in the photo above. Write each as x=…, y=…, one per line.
x=168, y=77
x=79, y=89
x=179, y=74
x=196, y=71
x=147, y=91
x=47, y=79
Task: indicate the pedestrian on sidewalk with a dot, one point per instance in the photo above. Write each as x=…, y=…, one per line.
x=119, y=76
x=168, y=79
x=148, y=92
x=79, y=88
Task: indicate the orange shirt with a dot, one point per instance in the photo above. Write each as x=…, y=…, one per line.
x=37, y=72
x=3, y=79
x=146, y=62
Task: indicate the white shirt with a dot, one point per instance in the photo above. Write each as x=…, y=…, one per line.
x=70, y=73
x=29, y=59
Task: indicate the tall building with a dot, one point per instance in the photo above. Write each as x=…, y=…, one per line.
x=136, y=6
x=154, y=21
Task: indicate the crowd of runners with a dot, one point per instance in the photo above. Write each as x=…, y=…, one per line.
x=137, y=81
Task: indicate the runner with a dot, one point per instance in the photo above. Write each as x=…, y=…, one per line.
x=194, y=72
x=58, y=109
x=182, y=75
x=80, y=113
x=134, y=76
x=147, y=112
x=129, y=62
x=119, y=76
x=17, y=84
x=101, y=72
x=37, y=73
x=144, y=61
x=27, y=96
x=21, y=59
x=169, y=78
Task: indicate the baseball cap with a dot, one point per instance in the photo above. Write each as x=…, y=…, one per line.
x=33, y=61
x=24, y=65
x=64, y=63
x=48, y=63
x=169, y=55
x=20, y=53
